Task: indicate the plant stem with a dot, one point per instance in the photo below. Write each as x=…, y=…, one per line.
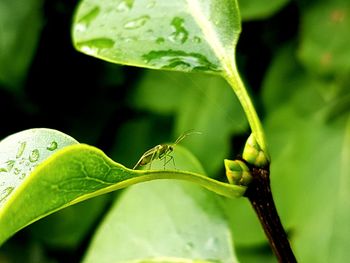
x=232, y=76
x=260, y=197
x=259, y=190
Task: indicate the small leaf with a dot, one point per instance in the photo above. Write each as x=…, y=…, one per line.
x=79, y=172
x=180, y=35
x=182, y=223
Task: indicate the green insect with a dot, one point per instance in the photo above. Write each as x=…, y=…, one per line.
x=161, y=152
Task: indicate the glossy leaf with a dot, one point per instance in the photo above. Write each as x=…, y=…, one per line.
x=324, y=45
x=185, y=35
x=19, y=33
x=21, y=152
x=310, y=168
x=182, y=223
x=77, y=173
x=257, y=9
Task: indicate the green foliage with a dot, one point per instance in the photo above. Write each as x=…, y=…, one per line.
x=297, y=75
x=204, y=103
x=74, y=174
x=19, y=31
x=22, y=152
x=188, y=228
x=308, y=150
x=192, y=36
x=324, y=47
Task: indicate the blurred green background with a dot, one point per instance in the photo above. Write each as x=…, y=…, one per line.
x=294, y=57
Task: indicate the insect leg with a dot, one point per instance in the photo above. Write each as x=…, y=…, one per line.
x=171, y=158
x=152, y=158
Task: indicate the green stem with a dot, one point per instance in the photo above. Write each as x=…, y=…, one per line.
x=232, y=76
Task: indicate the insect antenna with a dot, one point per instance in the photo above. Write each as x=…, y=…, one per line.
x=184, y=135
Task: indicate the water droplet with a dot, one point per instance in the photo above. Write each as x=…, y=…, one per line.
x=125, y=5
x=52, y=146
x=5, y=193
x=151, y=4
x=136, y=23
x=10, y=164
x=212, y=243
x=22, y=176
x=34, y=156
x=17, y=171
x=85, y=20
x=180, y=34
x=20, y=150
x=189, y=246
x=197, y=39
x=130, y=39
x=94, y=46
x=171, y=59
x=160, y=40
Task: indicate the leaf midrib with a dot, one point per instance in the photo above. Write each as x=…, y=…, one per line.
x=210, y=34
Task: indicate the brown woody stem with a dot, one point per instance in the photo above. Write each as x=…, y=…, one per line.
x=260, y=196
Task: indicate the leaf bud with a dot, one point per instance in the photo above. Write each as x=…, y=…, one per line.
x=253, y=154
x=237, y=172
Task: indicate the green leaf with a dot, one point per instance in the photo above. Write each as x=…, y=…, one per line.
x=185, y=35
x=182, y=223
x=257, y=9
x=76, y=173
x=21, y=152
x=206, y=104
x=310, y=167
x=318, y=52
x=19, y=33
x=294, y=79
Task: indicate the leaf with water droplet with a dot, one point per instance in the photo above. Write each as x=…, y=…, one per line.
x=177, y=59
x=86, y=19
x=71, y=175
x=96, y=45
x=136, y=22
x=180, y=34
x=125, y=5
x=34, y=156
x=160, y=40
x=209, y=29
x=21, y=152
x=21, y=149
x=52, y=146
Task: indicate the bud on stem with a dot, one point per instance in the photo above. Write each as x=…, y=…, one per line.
x=237, y=172
x=253, y=154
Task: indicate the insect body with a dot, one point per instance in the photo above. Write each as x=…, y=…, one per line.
x=161, y=151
